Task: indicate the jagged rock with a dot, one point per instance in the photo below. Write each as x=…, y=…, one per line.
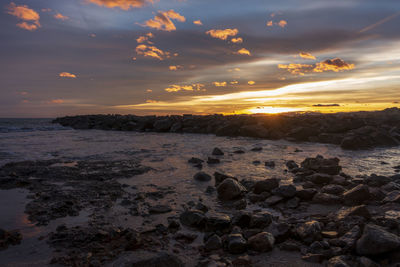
x=321, y=165
x=320, y=178
x=217, y=152
x=262, y=242
x=213, y=243
x=217, y=222
x=220, y=177
x=194, y=160
x=193, y=218
x=329, y=199
x=230, y=189
x=8, y=238
x=242, y=219
x=163, y=125
x=349, y=239
x=361, y=211
x=337, y=261
x=273, y=200
x=213, y=160
x=265, y=185
x=393, y=197
x=375, y=240
x=261, y=220
x=286, y=191
x=291, y=165
x=141, y=258
x=306, y=194
x=357, y=195
x=309, y=231
x=202, y=176
x=333, y=189
x=376, y=180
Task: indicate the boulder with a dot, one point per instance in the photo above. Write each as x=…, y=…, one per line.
x=265, y=185
x=333, y=189
x=162, y=125
x=261, y=219
x=193, y=218
x=309, y=231
x=217, y=152
x=141, y=258
x=217, y=222
x=230, y=189
x=213, y=243
x=356, y=195
x=236, y=244
x=376, y=240
x=320, y=178
x=361, y=211
x=393, y=197
x=262, y=242
x=286, y=191
x=321, y=165
x=329, y=199
x=202, y=176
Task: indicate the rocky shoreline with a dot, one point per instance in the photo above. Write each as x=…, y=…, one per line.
x=354, y=131
x=314, y=213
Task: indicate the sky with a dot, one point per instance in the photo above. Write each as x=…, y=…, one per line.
x=163, y=57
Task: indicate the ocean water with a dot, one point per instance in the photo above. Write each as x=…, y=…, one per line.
x=167, y=155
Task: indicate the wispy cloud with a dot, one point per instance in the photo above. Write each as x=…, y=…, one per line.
x=163, y=20
x=243, y=51
x=335, y=65
x=198, y=22
x=220, y=84
x=238, y=40
x=222, y=34
x=282, y=23
x=306, y=55
x=60, y=17
x=152, y=51
x=191, y=87
x=383, y=21
x=122, y=4
x=66, y=75
x=29, y=16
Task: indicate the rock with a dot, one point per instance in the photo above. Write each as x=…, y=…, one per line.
x=293, y=203
x=230, y=189
x=376, y=180
x=337, y=262
x=239, y=151
x=236, y=244
x=361, y=211
x=357, y=195
x=280, y=230
x=218, y=222
x=176, y=127
x=262, y=242
x=321, y=165
x=329, y=199
x=213, y=243
x=329, y=234
x=217, y=152
x=393, y=197
x=213, y=160
x=261, y=220
x=320, y=178
x=157, y=209
x=309, y=231
x=242, y=261
x=220, y=177
x=317, y=258
x=333, y=189
x=290, y=245
x=163, y=125
x=349, y=239
x=186, y=237
x=286, y=191
x=306, y=194
x=375, y=240
x=366, y=262
x=291, y=165
x=254, y=130
x=258, y=197
x=8, y=238
x=141, y=258
x=202, y=176
x=392, y=186
x=273, y=200
x=193, y=218
x=195, y=160
x=242, y=219
x=256, y=148
x=270, y=164
x=265, y=185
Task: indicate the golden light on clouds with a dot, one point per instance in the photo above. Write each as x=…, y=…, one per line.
x=306, y=55
x=335, y=65
x=192, y=87
x=57, y=101
x=163, y=20
x=282, y=23
x=151, y=51
x=198, y=22
x=251, y=82
x=243, y=51
x=122, y=4
x=238, y=40
x=222, y=34
x=29, y=16
x=175, y=67
x=219, y=84
x=60, y=16
x=270, y=110
x=66, y=75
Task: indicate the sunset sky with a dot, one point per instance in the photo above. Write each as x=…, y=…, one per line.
x=140, y=57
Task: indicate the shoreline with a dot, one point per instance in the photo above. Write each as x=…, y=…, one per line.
x=352, y=131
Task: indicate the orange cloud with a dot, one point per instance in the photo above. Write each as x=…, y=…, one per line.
x=234, y=82
x=60, y=16
x=177, y=67
x=122, y=4
x=270, y=23
x=26, y=14
x=335, y=65
x=243, y=51
x=198, y=22
x=145, y=38
x=67, y=75
x=151, y=51
x=238, y=40
x=149, y=90
x=219, y=84
x=193, y=87
x=251, y=82
x=281, y=23
x=152, y=101
x=306, y=55
x=163, y=20
x=222, y=34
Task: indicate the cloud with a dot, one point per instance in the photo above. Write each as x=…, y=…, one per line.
x=66, y=75
x=174, y=68
x=193, y=87
x=56, y=101
x=234, y=82
x=152, y=51
x=326, y=105
x=26, y=14
x=198, y=22
x=152, y=101
x=122, y=4
x=219, y=84
x=238, y=40
x=334, y=65
x=149, y=91
x=282, y=23
x=163, y=20
x=60, y=16
x=145, y=38
x=383, y=21
x=251, y=82
x=306, y=55
x=243, y=51
x=222, y=34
